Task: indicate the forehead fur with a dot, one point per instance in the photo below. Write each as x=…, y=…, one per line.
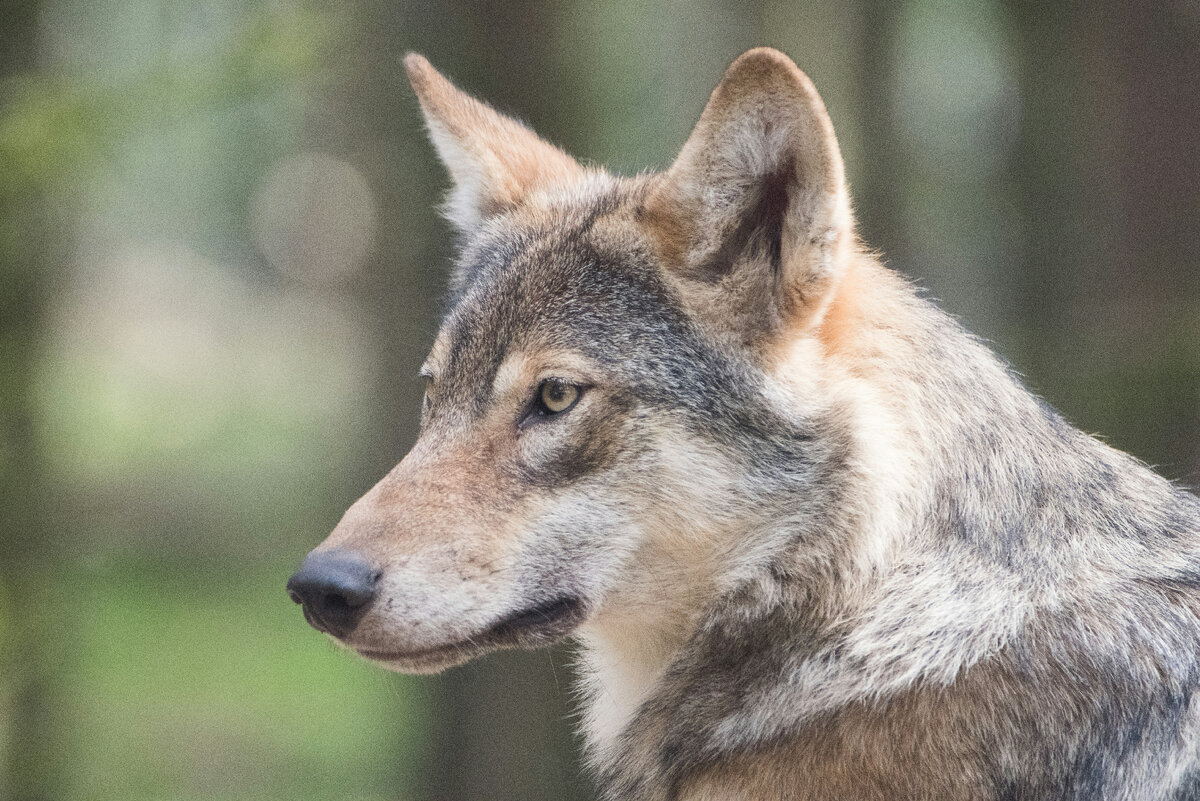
x=573, y=270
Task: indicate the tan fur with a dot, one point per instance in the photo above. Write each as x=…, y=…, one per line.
x=844, y=317
x=418, y=522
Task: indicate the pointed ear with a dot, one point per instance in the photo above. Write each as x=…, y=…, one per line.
x=494, y=161
x=755, y=212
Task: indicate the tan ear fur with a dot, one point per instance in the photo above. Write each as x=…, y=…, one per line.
x=762, y=154
x=494, y=161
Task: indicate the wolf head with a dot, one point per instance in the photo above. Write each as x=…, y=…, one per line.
x=627, y=382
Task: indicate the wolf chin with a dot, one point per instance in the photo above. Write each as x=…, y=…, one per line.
x=815, y=540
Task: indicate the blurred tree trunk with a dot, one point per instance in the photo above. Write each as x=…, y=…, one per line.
x=1111, y=187
x=1143, y=57
x=1050, y=169
x=32, y=754
x=499, y=726
x=879, y=191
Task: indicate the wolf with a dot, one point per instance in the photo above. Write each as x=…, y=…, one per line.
x=815, y=540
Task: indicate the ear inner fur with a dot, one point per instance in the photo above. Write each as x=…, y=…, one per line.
x=759, y=185
x=495, y=161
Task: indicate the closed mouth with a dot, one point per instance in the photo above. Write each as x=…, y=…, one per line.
x=555, y=616
x=436, y=655
x=540, y=624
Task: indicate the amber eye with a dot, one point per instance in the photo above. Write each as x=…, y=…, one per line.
x=555, y=397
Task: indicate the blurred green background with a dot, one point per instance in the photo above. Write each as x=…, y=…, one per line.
x=222, y=267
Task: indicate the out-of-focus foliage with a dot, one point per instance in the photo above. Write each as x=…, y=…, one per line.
x=194, y=415
x=64, y=125
x=221, y=267
x=196, y=686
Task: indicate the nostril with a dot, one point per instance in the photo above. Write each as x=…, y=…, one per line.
x=336, y=604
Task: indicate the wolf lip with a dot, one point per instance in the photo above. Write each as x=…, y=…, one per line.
x=550, y=618
x=540, y=624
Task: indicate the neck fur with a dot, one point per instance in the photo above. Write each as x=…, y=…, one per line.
x=629, y=646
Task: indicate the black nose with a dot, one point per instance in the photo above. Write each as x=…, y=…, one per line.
x=335, y=588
